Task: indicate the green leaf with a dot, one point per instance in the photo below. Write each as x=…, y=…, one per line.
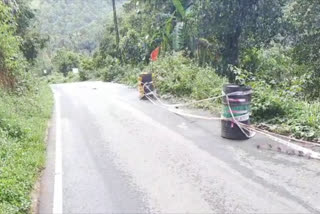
x=169, y=27
x=179, y=7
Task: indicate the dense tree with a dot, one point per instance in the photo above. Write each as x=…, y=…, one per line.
x=12, y=62
x=226, y=27
x=238, y=24
x=305, y=16
x=64, y=61
x=23, y=18
x=73, y=24
x=116, y=28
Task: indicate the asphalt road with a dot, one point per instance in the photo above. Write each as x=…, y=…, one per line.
x=109, y=152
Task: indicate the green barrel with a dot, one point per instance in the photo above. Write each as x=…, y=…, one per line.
x=238, y=104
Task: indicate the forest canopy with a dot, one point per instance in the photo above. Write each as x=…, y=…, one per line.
x=273, y=40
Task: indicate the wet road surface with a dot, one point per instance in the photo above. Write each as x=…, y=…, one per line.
x=109, y=152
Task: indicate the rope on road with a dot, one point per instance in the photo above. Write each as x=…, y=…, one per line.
x=243, y=127
x=196, y=101
x=243, y=130
x=170, y=108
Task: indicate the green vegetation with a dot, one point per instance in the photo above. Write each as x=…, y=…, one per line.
x=72, y=24
x=267, y=44
x=177, y=75
x=278, y=110
x=65, y=61
x=25, y=107
x=72, y=27
x=23, y=124
x=284, y=113
x=271, y=45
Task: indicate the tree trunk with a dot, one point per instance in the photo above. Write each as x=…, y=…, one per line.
x=232, y=53
x=115, y=19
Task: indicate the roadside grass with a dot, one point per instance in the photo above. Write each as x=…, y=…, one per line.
x=23, y=124
x=281, y=112
x=58, y=78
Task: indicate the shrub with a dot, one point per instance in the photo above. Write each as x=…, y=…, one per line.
x=23, y=126
x=132, y=48
x=72, y=77
x=180, y=76
x=55, y=77
x=64, y=61
x=87, y=68
x=276, y=67
x=267, y=105
x=109, y=69
x=12, y=62
x=83, y=75
x=131, y=76
x=284, y=113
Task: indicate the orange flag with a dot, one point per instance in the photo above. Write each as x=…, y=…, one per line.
x=155, y=54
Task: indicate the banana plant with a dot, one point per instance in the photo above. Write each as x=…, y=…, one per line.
x=179, y=5
x=168, y=27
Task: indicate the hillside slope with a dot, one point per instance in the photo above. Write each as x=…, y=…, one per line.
x=73, y=24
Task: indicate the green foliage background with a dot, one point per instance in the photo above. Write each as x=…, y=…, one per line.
x=25, y=107
x=23, y=124
x=270, y=45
